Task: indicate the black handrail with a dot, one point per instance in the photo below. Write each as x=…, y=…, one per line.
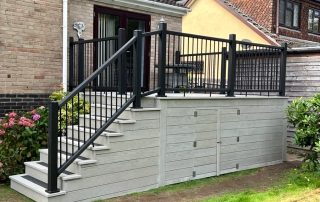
x=185, y=62
x=98, y=71
x=59, y=121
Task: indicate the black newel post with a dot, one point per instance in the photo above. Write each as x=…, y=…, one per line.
x=80, y=61
x=53, y=148
x=162, y=58
x=71, y=64
x=137, y=67
x=223, y=70
x=121, y=63
x=283, y=69
x=232, y=65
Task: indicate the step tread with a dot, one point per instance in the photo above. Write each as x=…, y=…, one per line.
x=75, y=142
x=80, y=160
x=129, y=108
x=35, y=185
x=103, y=118
x=118, y=120
x=93, y=130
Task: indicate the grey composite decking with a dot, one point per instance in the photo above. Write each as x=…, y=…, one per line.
x=178, y=139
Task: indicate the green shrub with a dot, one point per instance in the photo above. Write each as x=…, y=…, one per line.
x=70, y=114
x=21, y=137
x=304, y=114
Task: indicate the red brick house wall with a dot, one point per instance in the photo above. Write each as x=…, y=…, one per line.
x=265, y=12
x=302, y=33
x=261, y=11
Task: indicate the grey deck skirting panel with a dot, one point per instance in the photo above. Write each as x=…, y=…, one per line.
x=178, y=139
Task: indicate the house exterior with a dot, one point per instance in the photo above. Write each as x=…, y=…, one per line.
x=293, y=21
x=34, y=40
x=215, y=18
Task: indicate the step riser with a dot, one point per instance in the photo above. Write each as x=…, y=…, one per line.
x=74, y=168
x=103, y=111
x=86, y=135
x=40, y=175
x=106, y=100
x=86, y=122
x=28, y=192
x=144, y=101
x=87, y=153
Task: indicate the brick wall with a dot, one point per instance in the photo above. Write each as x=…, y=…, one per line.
x=82, y=10
x=21, y=102
x=302, y=33
x=262, y=11
x=30, y=46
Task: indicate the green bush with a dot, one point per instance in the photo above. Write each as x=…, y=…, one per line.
x=304, y=114
x=21, y=137
x=70, y=114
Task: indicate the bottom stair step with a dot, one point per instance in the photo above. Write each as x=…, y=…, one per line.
x=34, y=188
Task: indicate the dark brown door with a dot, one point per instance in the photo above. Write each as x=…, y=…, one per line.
x=107, y=21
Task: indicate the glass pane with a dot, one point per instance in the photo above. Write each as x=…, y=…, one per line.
x=316, y=13
x=310, y=19
x=289, y=18
x=296, y=16
x=289, y=5
x=108, y=25
x=282, y=11
x=316, y=25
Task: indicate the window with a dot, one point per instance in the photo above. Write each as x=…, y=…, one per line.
x=289, y=14
x=313, y=21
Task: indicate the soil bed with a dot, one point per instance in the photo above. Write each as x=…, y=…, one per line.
x=259, y=181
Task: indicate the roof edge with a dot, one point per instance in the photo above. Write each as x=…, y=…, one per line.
x=254, y=28
x=146, y=5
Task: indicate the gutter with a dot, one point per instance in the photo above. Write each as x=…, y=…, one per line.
x=149, y=6
x=304, y=50
x=65, y=46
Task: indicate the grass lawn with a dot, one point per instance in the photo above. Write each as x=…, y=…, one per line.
x=9, y=195
x=294, y=186
x=281, y=182
x=274, y=183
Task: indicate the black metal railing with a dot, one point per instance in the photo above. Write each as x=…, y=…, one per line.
x=68, y=137
x=259, y=68
x=108, y=75
x=86, y=55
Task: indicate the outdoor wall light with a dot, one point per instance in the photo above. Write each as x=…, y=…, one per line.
x=80, y=27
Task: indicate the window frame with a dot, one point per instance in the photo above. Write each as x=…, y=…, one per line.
x=286, y=9
x=314, y=10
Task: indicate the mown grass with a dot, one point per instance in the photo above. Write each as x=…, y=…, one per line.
x=198, y=183
x=292, y=186
x=9, y=195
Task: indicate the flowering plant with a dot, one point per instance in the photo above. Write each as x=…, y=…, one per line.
x=21, y=137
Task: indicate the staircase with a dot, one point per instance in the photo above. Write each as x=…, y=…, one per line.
x=123, y=159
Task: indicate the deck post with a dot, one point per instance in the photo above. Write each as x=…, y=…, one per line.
x=53, y=148
x=137, y=68
x=232, y=65
x=223, y=70
x=162, y=58
x=71, y=64
x=121, y=62
x=283, y=67
x=80, y=61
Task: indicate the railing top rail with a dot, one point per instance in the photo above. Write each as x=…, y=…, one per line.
x=81, y=86
x=258, y=44
x=95, y=40
x=146, y=34
x=197, y=36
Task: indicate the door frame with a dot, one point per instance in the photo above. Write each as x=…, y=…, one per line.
x=124, y=16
